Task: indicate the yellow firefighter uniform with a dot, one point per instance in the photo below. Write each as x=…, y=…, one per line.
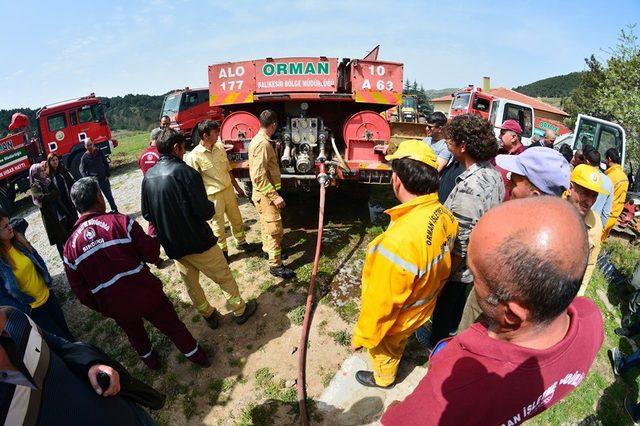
x=404, y=271
x=214, y=168
x=265, y=178
x=620, y=187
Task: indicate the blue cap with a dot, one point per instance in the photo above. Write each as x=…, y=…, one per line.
x=545, y=168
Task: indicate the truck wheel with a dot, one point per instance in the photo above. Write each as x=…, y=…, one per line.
x=73, y=165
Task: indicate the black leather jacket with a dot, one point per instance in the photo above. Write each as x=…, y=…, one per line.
x=175, y=201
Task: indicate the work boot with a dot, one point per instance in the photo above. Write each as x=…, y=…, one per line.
x=226, y=255
x=282, y=272
x=283, y=256
x=249, y=309
x=632, y=410
x=365, y=378
x=616, y=360
x=200, y=358
x=213, y=320
x=249, y=247
x=152, y=361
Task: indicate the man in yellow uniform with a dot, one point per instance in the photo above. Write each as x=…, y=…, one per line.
x=265, y=178
x=406, y=266
x=209, y=158
x=586, y=184
x=620, y=187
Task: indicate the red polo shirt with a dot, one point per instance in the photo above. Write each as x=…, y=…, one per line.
x=478, y=380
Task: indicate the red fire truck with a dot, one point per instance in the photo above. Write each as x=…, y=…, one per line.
x=61, y=128
x=187, y=108
x=328, y=111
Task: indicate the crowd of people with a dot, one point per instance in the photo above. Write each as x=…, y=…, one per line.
x=485, y=262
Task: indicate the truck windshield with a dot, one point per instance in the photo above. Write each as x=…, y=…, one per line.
x=409, y=102
x=171, y=104
x=461, y=101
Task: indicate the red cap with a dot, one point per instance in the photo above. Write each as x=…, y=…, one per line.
x=513, y=126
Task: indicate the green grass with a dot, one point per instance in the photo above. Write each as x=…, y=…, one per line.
x=217, y=388
x=349, y=311
x=296, y=315
x=341, y=337
x=130, y=145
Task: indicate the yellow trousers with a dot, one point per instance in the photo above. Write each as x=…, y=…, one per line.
x=385, y=358
x=270, y=228
x=226, y=204
x=607, y=227
x=213, y=264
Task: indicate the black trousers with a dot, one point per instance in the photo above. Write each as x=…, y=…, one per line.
x=448, y=311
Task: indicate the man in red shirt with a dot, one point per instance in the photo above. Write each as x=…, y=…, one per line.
x=510, y=144
x=538, y=342
x=105, y=260
x=149, y=157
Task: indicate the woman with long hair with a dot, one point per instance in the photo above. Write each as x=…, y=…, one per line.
x=25, y=281
x=45, y=195
x=63, y=180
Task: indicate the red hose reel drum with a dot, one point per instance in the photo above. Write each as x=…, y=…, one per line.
x=366, y=125
x=238, y=126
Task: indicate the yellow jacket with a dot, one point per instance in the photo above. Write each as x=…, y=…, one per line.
x=405, y=269
x=212, y=165
x=620, y=187
x=263, y=166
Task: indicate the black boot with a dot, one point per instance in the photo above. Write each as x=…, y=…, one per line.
x=365, y=378
x=249, y=310
x=282, y=272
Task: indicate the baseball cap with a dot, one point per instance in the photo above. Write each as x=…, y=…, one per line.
x=588, y=177
x=545, y=168
x=415, y=150
x=513, y=126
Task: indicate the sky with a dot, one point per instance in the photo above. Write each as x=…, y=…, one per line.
x=60, y=50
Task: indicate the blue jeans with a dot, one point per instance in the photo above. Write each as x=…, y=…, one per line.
x=630, y=361
x=105, y=186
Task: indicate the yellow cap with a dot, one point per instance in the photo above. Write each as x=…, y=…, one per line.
x=416, y=150
x=588, y=177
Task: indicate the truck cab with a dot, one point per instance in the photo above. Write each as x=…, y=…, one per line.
x=187, y=108
x=600, y=134
x=473, y=100
x=64, y=127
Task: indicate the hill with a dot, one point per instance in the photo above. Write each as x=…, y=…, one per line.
x=553, y=87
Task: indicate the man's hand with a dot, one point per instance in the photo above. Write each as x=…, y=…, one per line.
x=279, y=203
x=114, y=379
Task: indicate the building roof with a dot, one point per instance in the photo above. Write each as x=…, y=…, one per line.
x=503, y=92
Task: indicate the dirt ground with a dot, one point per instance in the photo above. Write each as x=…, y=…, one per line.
x=252, y=379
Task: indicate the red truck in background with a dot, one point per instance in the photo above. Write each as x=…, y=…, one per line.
x=329, y=111
x=61, y=128
x=187, y=108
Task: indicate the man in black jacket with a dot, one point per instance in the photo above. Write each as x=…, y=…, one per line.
x=94, y=164
x=46, y=380
x=175, y=202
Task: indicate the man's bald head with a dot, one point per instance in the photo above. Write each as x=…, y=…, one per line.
x=549, y=138
x=533, y=251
